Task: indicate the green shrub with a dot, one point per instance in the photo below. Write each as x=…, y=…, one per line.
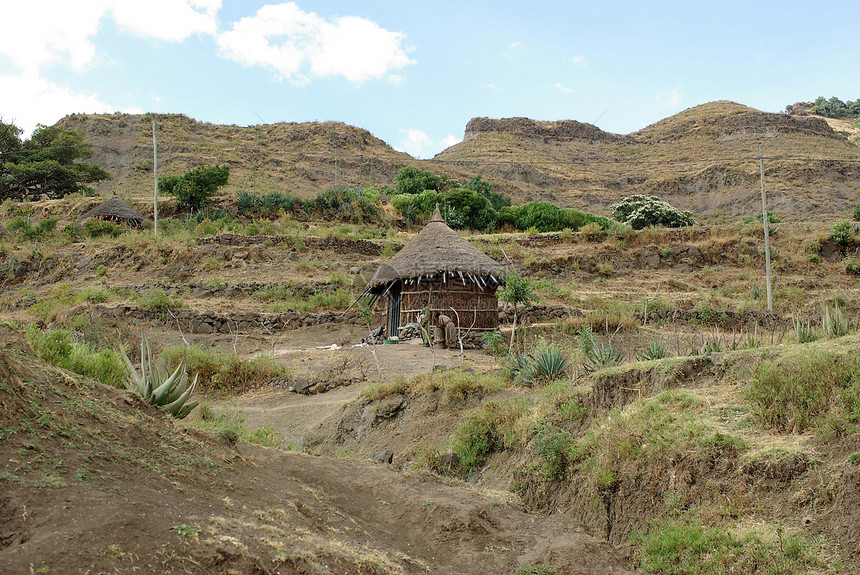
x=94, y=228
x=493, y=428
x=553, y=445
x=225, y=373
x=24, y=229
x=842, y=233
x=534, y=570
x=857, y=213
x=643, y=211
x=193, y=188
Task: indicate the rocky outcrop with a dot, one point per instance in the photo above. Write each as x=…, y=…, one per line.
x=546, y=132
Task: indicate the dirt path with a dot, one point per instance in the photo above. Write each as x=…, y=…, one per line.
x=293, y=415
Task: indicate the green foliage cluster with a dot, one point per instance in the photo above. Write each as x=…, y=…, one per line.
x=225, y=373
x=335, y=204
x=842, y=233
x=809, y=390
x=490, y=429
x=545, y=366
x=836, y=108
x=59, y=348
x=640, y=211
x=857, y=213
x=22, y=227
x=195, y=186
x=476, y=206
x=167, y=391
x=686, y=547
x=94, y=228
x=46, y=163
x=229, y=424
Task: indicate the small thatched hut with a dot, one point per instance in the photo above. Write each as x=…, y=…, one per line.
x=437, y=271
x=115, y=210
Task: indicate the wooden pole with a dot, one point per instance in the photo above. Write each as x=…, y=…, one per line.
x=155, y=177
x=766, y=225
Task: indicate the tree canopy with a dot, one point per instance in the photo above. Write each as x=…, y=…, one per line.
x=194, y=187
x=46, y=163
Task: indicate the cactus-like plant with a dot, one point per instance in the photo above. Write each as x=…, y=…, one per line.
x=656, y=350
x=550, y=364
x=168, y=392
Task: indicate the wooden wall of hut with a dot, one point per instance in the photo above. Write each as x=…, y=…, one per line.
x=473, y=302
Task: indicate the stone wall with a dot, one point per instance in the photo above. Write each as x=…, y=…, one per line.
x=209, y=322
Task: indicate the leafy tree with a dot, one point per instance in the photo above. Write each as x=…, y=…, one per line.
x=412, y=180
x=194, y=187
x=47, y=163
x=497, y=200
x=518, y=291
x=836, y=108
x=643, y=211
x=474, y=207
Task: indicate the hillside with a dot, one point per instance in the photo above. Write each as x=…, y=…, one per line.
x=703, y=159
x=96, y=481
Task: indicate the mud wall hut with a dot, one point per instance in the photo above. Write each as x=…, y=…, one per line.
x=435, y=273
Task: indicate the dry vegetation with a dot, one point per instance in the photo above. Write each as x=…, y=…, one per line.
x=655, y=402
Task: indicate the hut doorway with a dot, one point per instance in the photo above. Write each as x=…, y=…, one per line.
x=394, y=310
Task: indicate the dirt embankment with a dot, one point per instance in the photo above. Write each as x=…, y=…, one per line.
x=96, y=481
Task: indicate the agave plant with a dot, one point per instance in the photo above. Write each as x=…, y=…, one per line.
x=520, y=368
x=602, y=355
x=834, y=322
x=803, y=331
x=168, y=392
x=656, y=350
x=549, y=365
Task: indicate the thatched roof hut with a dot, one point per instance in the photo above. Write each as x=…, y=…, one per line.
x=437, y=272
x=115, y=210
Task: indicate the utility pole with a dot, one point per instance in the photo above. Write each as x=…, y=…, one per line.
x=155, y=177
x=766, y=225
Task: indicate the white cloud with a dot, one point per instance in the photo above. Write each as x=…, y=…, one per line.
x=416, y=143
x=395, y=78
x=562, y=88
x=516, y=45
x=492, y=87
x=298, y=44
x=54, y=101
x=170, y=20
x=39, y=33
x=672, y=100
x=578, y=60
x=450, y=140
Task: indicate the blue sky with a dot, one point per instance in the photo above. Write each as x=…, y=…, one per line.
x=413, y=73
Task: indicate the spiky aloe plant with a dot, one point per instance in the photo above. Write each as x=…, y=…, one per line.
x=168, y=392
x=602, y=355
x=656, y=350
x=834, y=322
x=549, y=365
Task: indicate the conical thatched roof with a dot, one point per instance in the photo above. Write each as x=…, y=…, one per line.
x=114, y=209
x=436, y=249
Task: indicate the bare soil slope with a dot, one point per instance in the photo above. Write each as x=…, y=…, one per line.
x=95, y=481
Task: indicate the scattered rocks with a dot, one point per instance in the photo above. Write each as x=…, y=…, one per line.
x=385, y=456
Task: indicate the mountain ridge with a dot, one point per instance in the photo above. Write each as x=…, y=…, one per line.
x=704, y=159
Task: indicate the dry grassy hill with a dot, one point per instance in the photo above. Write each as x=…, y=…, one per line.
x=703, y=159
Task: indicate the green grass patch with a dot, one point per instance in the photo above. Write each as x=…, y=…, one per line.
x=455, y=384
x=59, y=348
x=230, y=425
x=810, y=389
x=225, y=373
x=686, y=547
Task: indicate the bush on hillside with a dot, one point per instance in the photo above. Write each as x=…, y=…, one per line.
x=640, y=211
x=857, y=213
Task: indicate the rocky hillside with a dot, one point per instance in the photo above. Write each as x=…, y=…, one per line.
x=703, y=159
